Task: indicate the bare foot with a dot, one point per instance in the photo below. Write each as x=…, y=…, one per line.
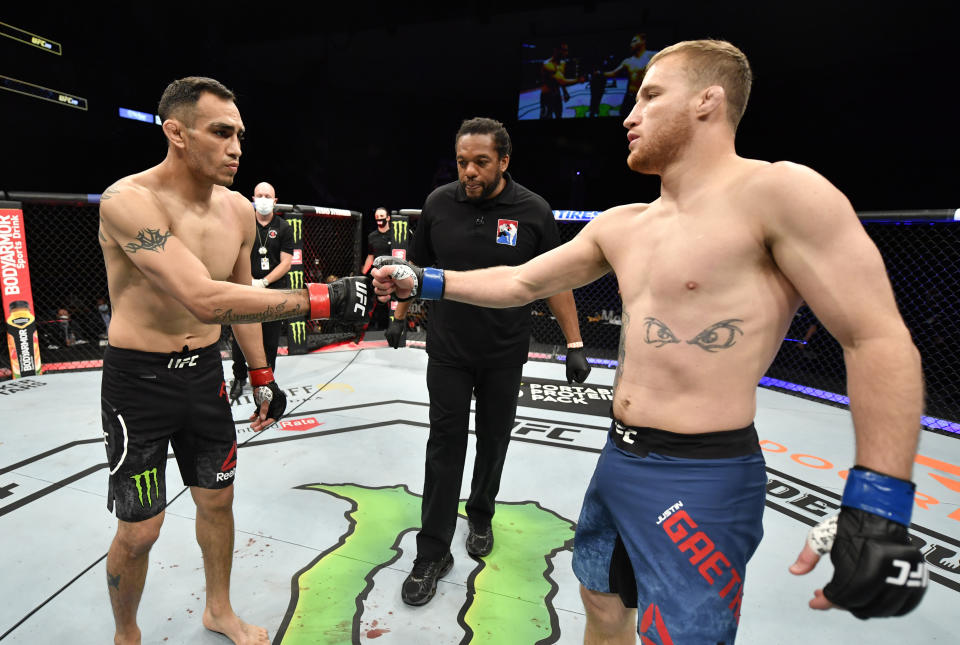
x=127, y=639
x=235, y=629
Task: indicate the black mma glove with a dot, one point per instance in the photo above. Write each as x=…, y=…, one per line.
x=345, y=300
x=266, y=389
x=578, y=369
x=877, y=572
x=396, y=333
x=427, y=283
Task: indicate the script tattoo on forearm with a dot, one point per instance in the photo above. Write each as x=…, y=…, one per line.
x=148, y=239
x=278, y=312
x=719, y=335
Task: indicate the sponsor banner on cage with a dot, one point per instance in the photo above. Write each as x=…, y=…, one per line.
x=297, y=329
x=21, y=325
x=558, y=395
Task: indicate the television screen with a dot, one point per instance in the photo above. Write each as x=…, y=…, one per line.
x=583, y=76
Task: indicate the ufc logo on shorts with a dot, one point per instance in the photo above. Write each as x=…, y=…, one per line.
x=183, y=362
x=916, y=578
x=361, y=305
x=625, y=433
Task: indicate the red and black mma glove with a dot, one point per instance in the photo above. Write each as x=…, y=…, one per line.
x=266, y=389
x=877, y=572
x=427, y=282
x=344, y=300
x=578, y=369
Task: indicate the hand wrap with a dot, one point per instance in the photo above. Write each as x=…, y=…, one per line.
x=427, y=283
x=266, y=389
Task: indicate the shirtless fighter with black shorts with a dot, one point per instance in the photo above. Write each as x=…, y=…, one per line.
x=176, y=244
x=711, y=274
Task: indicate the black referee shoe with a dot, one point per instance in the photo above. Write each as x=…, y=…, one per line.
x=479, y=540
x=421, y=585
x=236, y=389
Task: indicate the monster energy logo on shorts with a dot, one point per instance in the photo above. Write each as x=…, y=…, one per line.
x=298, y=332
x=400, y=230
x=510, y=595
x=145, y=478
x=296, y=224
x=296, y=279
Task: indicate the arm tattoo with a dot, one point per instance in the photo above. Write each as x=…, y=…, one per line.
x=108, y=193
x=113, y=581
x=278, y=312
x=718, y=336
x=657, y=333
x=148, y=239
x=102, y=236
x=622, y=350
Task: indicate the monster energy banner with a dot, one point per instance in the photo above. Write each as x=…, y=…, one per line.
x=401, y=231
x=296, y=328
x=558, y=395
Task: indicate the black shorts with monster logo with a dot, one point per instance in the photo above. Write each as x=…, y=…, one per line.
x=150, y=400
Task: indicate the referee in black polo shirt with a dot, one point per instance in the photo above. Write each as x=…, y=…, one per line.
x=484, y=219
x=270, y=261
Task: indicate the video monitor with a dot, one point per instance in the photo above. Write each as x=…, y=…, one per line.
x=583, y=76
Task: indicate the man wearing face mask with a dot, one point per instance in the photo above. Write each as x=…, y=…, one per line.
x=270, y=261
x=379, y=242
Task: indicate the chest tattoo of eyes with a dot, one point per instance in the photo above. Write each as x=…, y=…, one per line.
x=657, y=333
x=718, y=336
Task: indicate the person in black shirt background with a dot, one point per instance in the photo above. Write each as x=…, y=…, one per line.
x=379, y=242
x=270, y=261
x=484, y=219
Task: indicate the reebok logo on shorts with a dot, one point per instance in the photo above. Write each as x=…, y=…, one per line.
x=229, y=467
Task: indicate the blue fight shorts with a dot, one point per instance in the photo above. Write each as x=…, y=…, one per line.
x=669, y=522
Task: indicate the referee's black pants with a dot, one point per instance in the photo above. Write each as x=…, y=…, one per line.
x=271, y=339
x=450, y=388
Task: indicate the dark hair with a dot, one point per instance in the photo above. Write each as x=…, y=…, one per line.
x=185, y=93
x=381, y=208
x=483, y=125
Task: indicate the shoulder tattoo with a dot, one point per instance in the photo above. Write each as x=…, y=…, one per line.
x=148, y=239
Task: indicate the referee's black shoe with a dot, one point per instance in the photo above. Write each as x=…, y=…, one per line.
x=421, y=585
x=236, y=389
x=479, y=540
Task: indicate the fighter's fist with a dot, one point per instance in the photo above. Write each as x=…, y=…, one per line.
x=877, y=572
x=403, y=280
x=346, y=299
